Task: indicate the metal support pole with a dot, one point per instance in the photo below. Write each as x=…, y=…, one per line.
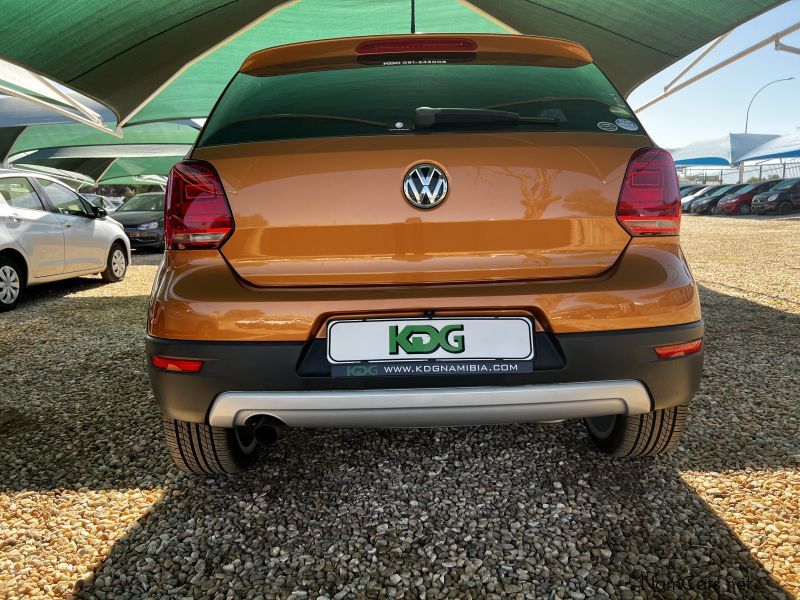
x=724, y=63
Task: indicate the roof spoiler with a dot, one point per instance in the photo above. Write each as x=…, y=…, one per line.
x=391, y=49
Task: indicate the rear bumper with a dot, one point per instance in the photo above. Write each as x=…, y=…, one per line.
x=294, y=378
x=433, y=407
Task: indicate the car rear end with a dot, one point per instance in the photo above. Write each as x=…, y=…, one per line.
x=421, y=231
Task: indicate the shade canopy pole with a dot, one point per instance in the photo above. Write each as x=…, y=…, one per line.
x=772, y=39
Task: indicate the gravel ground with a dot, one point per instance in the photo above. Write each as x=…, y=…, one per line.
x=91, y=506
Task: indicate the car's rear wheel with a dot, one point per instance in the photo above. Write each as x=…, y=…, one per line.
x=784, y=208
x=200, y=448
x=116, y=264
x=11, y=283
x=638, y=435
x=744, y=209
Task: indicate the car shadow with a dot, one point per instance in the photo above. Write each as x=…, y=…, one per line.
x=520, y=488
x=62, y=288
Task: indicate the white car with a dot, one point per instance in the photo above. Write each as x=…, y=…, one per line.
x=49, y=232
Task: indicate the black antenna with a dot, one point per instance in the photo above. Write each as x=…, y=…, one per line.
x=413, y=26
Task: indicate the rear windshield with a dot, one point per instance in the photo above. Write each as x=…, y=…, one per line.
x=382, y=100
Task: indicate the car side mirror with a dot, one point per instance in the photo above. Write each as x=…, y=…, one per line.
x=99, y=212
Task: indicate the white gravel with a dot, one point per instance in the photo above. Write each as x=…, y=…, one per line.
x=90, y=504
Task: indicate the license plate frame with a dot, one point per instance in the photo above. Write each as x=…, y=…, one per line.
x=478, y=339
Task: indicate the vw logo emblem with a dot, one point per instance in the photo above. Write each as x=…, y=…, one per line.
x=425, y=186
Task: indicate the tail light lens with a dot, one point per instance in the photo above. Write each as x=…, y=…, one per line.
x=676, y=350
x=649, y=203
x=177, y=364
x=406, y=45
x=196, y=213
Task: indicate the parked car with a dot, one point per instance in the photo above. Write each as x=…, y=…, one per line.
x=101, y=202
x=783, y=198
x=142, y=216
x=49, y=232
x=453, y=248
x=706, y=204
x=689, y=199
x=739, y=201
x=690, y=189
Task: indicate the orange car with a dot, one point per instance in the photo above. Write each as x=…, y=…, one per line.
x=421, y=230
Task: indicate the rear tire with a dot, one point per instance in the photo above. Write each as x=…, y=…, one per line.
x=639, y=435
x=116, y=264
x=11, y=283
x=203, y=449
x=744, y=209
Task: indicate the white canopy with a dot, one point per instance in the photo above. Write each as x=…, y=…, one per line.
x=780, y=147
x=725, y=150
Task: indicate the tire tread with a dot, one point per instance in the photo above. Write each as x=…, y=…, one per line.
x=649, y=434
x=202, y=449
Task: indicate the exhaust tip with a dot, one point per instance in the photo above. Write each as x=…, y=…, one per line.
x=266, y=429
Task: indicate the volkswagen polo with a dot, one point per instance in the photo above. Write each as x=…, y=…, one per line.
x=418, y=231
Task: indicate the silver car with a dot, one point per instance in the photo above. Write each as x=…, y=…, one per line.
x=49, y=232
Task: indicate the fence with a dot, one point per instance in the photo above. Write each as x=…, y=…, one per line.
x=759, y=172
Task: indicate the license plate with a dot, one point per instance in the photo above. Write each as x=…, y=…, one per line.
x=450, y=339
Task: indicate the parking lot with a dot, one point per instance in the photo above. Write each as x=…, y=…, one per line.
x=91, y=504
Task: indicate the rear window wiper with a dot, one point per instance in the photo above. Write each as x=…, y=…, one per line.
x=425, y=116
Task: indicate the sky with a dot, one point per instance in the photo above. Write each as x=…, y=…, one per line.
x=717, y=104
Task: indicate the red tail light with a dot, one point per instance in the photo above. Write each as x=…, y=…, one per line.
x=176, y=364
x=649, y=203
x=679, y=349
x=407, y=46
x=197, y=214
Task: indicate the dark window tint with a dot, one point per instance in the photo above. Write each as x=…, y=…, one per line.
x=382, y=100
x=63, y=199
x=19, y=193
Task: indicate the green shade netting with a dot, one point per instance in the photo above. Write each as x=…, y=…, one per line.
x=130, y=167
x=58, y=135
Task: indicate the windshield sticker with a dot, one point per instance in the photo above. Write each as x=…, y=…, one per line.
x=431, y=61
x=627, y=124
x=606, y=126
x=620, y=111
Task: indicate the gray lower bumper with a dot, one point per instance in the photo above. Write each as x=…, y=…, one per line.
x=435, y=407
